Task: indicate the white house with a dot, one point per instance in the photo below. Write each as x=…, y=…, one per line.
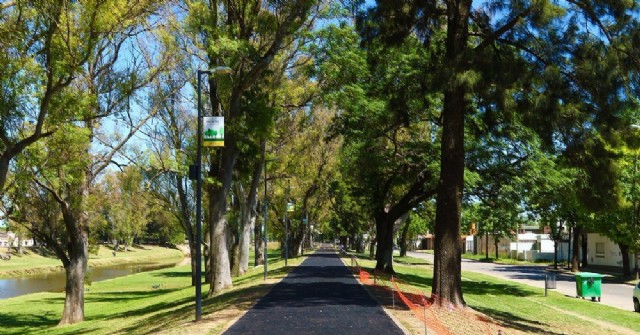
x=6, y=238
x=527, y=246
x=603, y=251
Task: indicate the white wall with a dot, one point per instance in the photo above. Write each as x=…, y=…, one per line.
x=608, y=254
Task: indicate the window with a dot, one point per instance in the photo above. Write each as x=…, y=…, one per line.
x=600, y=249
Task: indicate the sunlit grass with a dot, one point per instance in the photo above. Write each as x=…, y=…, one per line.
x=137, y=304
x=521, y=306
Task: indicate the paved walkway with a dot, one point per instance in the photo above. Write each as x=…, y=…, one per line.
x=320, y=296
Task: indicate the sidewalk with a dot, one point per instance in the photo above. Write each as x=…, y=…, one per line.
x=320, y=296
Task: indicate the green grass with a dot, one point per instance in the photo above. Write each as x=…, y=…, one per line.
x=31, y=262
x=408, y=260
x=163, y=300
x=501, y=260
x=137, y=304
x=523, y=307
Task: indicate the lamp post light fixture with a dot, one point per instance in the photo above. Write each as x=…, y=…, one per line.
x=198, y=172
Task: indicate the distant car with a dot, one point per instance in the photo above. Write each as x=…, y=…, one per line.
x=636, y=298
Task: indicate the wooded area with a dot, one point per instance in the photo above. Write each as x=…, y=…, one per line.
x=379, y=120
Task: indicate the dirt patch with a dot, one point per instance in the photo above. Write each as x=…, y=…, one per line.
x=218, y=321
x=214, y=323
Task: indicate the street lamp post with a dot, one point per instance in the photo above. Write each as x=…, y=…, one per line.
x=286, y=223
x=634, y=213
x=198, y=171
x=264, y=232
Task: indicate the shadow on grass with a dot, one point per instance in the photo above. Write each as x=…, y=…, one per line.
x=167, y=316
x=173, y=274
x=20, y=323
x=483, y=288
x=509, y=320
x=126, y=295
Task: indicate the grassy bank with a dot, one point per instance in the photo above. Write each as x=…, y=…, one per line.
x=153, y=302
x=515, y=308
x=31, y=263
x=163, y=302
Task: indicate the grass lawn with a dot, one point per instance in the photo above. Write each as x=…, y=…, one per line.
x=517, y=308
x=160, y=301
x=501, y=260
x=30, y=262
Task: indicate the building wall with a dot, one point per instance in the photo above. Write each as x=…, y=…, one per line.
x=6, y=237
x=530, y=246
x=603, y=251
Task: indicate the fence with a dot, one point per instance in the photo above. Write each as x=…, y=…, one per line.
x=436, y=316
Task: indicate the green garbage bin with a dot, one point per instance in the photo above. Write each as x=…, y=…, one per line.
x=589, y=285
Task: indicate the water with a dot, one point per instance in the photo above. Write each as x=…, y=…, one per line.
x=55, y=281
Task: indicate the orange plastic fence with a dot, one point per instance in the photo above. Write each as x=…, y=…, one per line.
x=438, y=318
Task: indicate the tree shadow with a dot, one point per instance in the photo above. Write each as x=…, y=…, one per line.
x=21, y=323
x=126, y=295
x=164, y=316
x=509, y=320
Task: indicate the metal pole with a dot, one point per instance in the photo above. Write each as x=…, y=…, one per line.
x=286, y=224
x=635, y=215
x=264, y=233
x=199, y=204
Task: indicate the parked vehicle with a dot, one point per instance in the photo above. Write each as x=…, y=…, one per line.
x=636, y=298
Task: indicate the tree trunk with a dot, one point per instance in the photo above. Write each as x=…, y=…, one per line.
x=447, y=274
x=10, y=245
x=626, y=266
x=76, y=264
x=219, y=258
x=192, y=251
x=403, y=237
x=74, y=288
x=584, y=244
x=575, y=257
x=19, y=245
x=372, y=247
x=384, y=249
x=296, y=240
x=5, y=160
x=486, y=246
x=248, y=213
x=259, y=246
x=496, y=244
x=184, y=217
x=360, y=243
x=206, y=255
x=241, y=250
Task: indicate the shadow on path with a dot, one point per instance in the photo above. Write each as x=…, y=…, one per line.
x=320, y=296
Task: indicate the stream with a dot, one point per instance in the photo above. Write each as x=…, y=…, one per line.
x=55, y=281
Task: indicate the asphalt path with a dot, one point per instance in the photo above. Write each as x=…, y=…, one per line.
x=320, y=296
x=613, y=294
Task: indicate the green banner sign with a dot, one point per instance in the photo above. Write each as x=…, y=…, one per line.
x=213, y=131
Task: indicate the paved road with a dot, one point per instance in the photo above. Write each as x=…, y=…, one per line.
x=320, y=296
x=616, y=295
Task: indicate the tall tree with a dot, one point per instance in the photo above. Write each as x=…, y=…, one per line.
x=68, y=164
x=389, y=120
x=545, y=37
x=245, y=35
x=40, y=61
